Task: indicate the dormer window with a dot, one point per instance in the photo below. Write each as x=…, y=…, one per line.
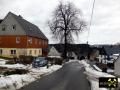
x=13, y=27
x=3, y=27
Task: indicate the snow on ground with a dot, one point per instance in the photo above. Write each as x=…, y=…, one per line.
x=93, y=75
x=16, y=66
x=97, y=68
x=18, y=81
x=95, y=85
x=2, y=61
x=92, y=71
x=110, y=70
x=36, y=72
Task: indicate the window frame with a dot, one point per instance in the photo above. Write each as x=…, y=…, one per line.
x=1, y=51
x=4, y=27
x=30, y=52
x=14, y=27
x=35, y=52
x=13, y=52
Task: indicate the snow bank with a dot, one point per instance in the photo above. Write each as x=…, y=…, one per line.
x=110, y=70
x=36, y=72
x=18, y=81
x=16, y=66
x=95, y=85
x=97, y=68
x=93, y=75
x=2, y=61
x=92, y=71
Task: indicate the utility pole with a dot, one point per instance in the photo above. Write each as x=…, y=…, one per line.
x=91, y=18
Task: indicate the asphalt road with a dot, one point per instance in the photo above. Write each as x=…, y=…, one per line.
x=69, y=77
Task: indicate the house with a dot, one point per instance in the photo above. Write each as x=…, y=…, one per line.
x=93, y=54
x=117, y=67
x=20, y=37
x=72, y=55
x=53, y=53
x=108, y=53
x=111, y=50
x=54, y=57
x=77, y=51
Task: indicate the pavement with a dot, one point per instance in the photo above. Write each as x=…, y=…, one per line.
x=70, y=77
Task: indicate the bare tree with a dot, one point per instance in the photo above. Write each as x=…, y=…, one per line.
x=66, y=22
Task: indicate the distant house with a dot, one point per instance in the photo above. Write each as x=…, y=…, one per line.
x=20, y=37
x=117, y=67
x=108, y=52
x=53, y=53
x=94, y=53
x=72, y=55
x=111, y=50
x=76, y=51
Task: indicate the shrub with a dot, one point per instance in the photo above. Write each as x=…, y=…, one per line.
x=15, y=71
x=26, y=59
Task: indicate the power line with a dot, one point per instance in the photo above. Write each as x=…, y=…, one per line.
x=91, y=17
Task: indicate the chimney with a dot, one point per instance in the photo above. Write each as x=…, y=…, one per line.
x=1, y=20
x=20, y=16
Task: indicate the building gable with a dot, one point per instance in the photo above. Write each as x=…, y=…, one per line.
x=53, y=52
x=29, y=28
x=9, y=26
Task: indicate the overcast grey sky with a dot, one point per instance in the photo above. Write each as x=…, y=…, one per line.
x=105, y=27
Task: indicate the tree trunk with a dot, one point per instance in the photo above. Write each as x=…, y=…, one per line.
x=65, y=47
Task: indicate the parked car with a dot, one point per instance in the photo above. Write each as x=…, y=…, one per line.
x=39, y=62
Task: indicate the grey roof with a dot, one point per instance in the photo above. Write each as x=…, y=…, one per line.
x=30, y=29
x=53, y=52
x=113, y=49
x=78, y=49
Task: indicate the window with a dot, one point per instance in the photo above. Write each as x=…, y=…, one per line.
x=35, y=52
x=4, y=27
x=1, y=51
x=17, y=39
x=39, y=51
x=13, y=52
x=30, y=52
x=30, y=40
x=13, y=27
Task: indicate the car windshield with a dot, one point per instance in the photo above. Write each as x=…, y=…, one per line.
x=40, y=59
